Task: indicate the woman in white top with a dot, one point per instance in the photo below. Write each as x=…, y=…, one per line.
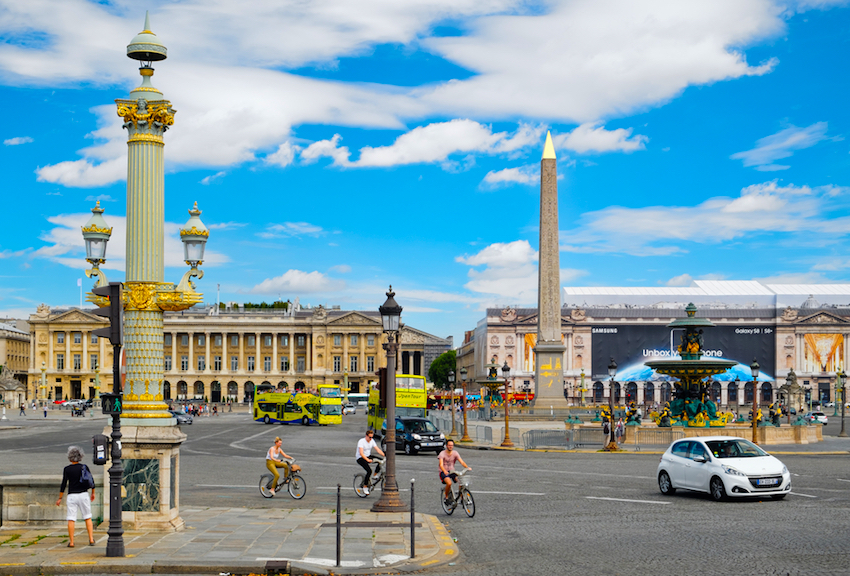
x=274, y=461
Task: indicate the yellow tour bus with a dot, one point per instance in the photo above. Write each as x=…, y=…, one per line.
x=302, y=407
x=330, y=404
x=410, y=400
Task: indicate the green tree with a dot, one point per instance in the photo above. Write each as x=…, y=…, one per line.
x=438, y=373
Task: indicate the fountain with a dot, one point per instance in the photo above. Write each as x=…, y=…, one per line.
x=692, y=405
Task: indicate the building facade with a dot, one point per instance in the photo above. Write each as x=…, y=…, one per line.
x=226, y=354
x=15, y=348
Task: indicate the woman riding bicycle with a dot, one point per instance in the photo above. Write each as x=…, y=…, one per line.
x=447, y=460
x=363, y=456
x=274, y=461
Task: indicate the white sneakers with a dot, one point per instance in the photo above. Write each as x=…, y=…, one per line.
x=366, y=490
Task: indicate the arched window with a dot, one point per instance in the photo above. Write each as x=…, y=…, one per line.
x=715, y=392
x=598, y=390
x=249, y=391
x=665, y=392
x=766, y=393
x=166, y=390
x=733, y=392
x=182, y=389
x=300, y=386
x=631, y=392
x=199, y=389
x=649, y=392
x=616, y=392
x=748, y=393
x=233, y=389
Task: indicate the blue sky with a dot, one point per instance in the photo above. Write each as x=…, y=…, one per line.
x=338, y=147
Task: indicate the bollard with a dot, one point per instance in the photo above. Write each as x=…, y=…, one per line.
x=338, y=526
x=412, y=522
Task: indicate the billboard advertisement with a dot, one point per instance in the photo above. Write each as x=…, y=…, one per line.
x=632, y=346
x=824, y=353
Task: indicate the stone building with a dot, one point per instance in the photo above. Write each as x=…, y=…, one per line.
x=229, y=353
x=14, y=358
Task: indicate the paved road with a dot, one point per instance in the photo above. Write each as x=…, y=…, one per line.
x=537, y=513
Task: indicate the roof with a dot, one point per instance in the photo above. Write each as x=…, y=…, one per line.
x=11, y=328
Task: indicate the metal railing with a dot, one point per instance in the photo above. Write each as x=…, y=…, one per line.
x=548, y=439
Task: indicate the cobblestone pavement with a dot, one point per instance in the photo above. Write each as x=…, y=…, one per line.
x=537, y=513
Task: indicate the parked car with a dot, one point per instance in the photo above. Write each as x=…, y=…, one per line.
x=349, y=409
x=181, y=417
x=722, y=466
x=816, y=417
x=413, y=434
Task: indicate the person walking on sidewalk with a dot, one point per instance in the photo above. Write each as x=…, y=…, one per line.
x=274, y=460
x=363, y=456
x=23, y=411
x=78, y=500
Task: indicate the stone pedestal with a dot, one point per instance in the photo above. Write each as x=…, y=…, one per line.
x=151, y=488
x=549, y=381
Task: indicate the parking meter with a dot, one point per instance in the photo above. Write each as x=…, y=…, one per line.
x=101, y=449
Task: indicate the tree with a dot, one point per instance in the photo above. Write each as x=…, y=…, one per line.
x=438, y=373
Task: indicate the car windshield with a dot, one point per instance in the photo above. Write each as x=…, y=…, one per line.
x=421, y=426
x=734, y=448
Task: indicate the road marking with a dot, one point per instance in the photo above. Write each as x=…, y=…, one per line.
x=626, y=500
x=511, y=493
x=479, y=466
x=222, y=486
x=803, y=495
x=842, y=480
x=236, y=444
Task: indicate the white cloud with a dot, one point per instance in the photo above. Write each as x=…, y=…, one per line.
x=84, y=173
x=593, y=137
x=289, y=229
x=212, y=178
x=284, y=155
x=226, y=225
x=521, y=175
x=681, y=280
x=781, y=145
x=14, y=253
x=18, y=140
x=662, y=230
x=341, y=268
x=509, y=272
x=297, y=281
x=100, y=198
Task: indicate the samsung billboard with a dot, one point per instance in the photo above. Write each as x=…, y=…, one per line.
x=632, y=346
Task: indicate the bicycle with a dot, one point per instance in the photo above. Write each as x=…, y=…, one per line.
x=294, y=483
x=375, y=479
x=459, y=493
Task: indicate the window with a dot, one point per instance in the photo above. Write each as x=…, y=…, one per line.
x=60, y=361
x=184, y=339
x=78, y=337
x=251, y=340
x=202, y=341
x=284, y=340
x=267, y=363
x=284, y=363
x=352, y=363
x=234, y=363
x=167, y=363
x=202, y=363
x=234, y=340
x=217, y=340
x=78, y=361
x=167, y=339
x=217, y=363
x=94, y=338
x=337, y=340
x=267, y=340
x=301, y=341
x=370, y=363
x=299, y=367
x=184, y=362
x=354, y=339
x=337, y=363
x=93, y=361
x=250, y=363
x=370, y=340
x=60, y=337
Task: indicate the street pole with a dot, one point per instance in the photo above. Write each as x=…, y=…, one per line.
x=754, y=367
x=506, y=443
x=115, y=542
x=451, y=378
x=465, y=437
x=843, y=379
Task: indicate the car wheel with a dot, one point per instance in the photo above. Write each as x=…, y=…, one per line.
x=665, y=485
x=408, y=449
x=716, y=489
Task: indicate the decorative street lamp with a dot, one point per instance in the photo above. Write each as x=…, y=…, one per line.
x=839, y=376
x=842, y=379
x=451, y=378
x=754, y=367
x=42, y=396
x=390, y=318
x=345, y=385
x=465, y=437
x=506, y=443
x=96, y=234
x=612, y=372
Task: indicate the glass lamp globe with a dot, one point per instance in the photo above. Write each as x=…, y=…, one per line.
x=96, y=233
x=390, y=313
x=194, y=236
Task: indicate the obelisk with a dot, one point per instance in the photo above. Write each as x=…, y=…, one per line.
x=549, y=351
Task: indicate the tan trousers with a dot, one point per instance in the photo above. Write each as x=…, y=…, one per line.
x=273, y=466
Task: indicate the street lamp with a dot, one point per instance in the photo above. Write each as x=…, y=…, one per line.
x=390, y=318
x=42, y=396
x=96, y=234
x=754, y=367
x=345, y=385
x=612, y=372
x=842, y=379
x=465, y=437
x=451, y=378
x=506, y=443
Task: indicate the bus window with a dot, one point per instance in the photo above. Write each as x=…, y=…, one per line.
x=292, y=408
x=267, y=406
x=330, y=392
x=331, y=409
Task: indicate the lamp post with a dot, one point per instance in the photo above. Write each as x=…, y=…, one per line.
x=390, y=318
x=506, y=443
x=581, y=390
x=754, y=367
x=612, y=372
x=838, y=378
x=465, y=437
x=42, y=395
x=842, y=379
x=345, y=386
x=451, y=378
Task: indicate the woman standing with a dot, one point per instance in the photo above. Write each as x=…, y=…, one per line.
x=78, y=500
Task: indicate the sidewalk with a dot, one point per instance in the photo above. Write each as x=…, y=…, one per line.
x=239, y=541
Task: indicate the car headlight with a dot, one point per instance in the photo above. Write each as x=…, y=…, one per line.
x=442, y=436
x=784, y=469
x=416, y=436
x=732, y=471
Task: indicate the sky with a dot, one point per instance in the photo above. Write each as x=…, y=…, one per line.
x=338, y=147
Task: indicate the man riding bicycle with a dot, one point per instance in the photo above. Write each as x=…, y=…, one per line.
x=363, y=456
x=447, y=459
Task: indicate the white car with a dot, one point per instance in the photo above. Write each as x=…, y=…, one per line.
x=722, y=466
x=816, y=417
x=349, y=409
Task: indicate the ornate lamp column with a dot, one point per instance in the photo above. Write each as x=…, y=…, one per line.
x=465, y=437
x=612, y=441
x=754, y=368
x=506, y=443
x=451, y=378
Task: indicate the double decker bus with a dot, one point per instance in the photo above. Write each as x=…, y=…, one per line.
x=410, y=400
x=329, y=404
x=291, y=408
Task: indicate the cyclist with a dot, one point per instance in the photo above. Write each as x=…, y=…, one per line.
x=363, y=456
x=447, y=460
x=274, y=461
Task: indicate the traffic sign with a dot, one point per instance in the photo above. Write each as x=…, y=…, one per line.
x=111, y=403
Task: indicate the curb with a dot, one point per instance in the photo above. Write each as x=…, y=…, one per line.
x=652, y=452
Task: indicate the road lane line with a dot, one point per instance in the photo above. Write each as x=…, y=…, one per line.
x=627, y=500
x=236, y=443
x=803, y=495
x=511, y=493
x=842, y=480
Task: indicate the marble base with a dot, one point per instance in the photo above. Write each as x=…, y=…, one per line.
x=549, y=376
x=151, y=486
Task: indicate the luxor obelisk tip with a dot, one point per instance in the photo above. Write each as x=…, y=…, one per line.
x=548, y=148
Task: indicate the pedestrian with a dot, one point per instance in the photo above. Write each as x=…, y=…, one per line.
x=78, y=500
x=23, y=411
x=619, y=431
x=215, y=409
x=606, y=428
x=45, y=410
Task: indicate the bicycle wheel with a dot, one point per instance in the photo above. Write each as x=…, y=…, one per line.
x=358, y=485
x=447, y=508
x=297, y=487
x=266, y=485
x=468, y=503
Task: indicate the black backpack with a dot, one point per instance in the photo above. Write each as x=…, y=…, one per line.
x=86, y=477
